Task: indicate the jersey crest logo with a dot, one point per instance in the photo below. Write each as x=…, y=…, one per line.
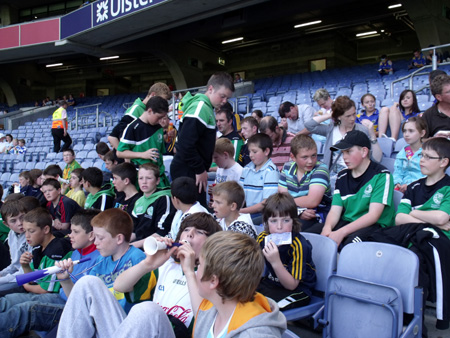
x=437, y=198
x=368, y=191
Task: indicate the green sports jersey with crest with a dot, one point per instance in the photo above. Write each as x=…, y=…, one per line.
x=355, y=194
x=139, y=137
x=419, y=196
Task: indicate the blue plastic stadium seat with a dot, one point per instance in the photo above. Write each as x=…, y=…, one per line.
x=41, y=165
x=324, y=254
x=92, y=155
x=375, y=284
x=30, y=165
x=81, y=155
x=386, y=145
x=388, y=162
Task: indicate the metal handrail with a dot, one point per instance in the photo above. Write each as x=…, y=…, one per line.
x=434, y=57
x=433, y=65
x=77, y=119
x=174, y=99
x=436, y=47
x=127, y=105
x=248, y=104
x=415, y=73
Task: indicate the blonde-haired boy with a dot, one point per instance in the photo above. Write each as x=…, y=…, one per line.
x=227, y=277
x=228, y=169
x=228, y=200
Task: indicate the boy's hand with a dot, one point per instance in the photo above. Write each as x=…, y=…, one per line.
x=326, y=231
x=161, y=256
x=67, y=266
x=271, y=253
x=445, y=227
x=26, y=258
x=186, y=255
x=57, y=224
x=337, y=236
x=151, y=154
x=308, y=214
x=201, y=180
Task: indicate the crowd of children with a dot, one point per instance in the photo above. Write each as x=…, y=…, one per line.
x=210, y=282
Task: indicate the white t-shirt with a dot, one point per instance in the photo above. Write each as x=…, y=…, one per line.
x=171, y=292
x=242, y=224
x=230, y=174
x=3, y=146
x=305, y=113
x=179, y=216
x=337, y=136
x=242, y=218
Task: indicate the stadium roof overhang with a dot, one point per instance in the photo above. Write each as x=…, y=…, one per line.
x=99, y=37
x=207, y=23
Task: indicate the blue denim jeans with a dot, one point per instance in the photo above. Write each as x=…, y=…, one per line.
x=22, y=312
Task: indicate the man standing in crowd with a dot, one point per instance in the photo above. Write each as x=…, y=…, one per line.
x=59, y=128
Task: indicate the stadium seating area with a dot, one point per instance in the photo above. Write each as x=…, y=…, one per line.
x=269, y=93
x=351, y=81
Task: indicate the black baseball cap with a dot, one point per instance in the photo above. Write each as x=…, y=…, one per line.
x=352, y=138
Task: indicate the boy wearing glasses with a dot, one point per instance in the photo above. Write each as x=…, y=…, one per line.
x=423, y=226
x=427, y=200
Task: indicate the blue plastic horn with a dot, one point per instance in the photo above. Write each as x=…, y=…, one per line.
x=38, y=274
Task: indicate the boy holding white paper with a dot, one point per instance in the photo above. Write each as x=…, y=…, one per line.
x=291, y=271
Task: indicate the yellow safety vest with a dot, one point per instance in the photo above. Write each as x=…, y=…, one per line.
x=57, y=119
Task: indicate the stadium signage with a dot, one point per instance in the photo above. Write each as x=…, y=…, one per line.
x=104, y=11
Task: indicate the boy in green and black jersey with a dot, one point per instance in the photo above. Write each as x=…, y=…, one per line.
x=363, y=197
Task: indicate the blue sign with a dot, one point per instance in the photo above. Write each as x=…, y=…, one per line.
x=76, y=22
x=104, y=11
